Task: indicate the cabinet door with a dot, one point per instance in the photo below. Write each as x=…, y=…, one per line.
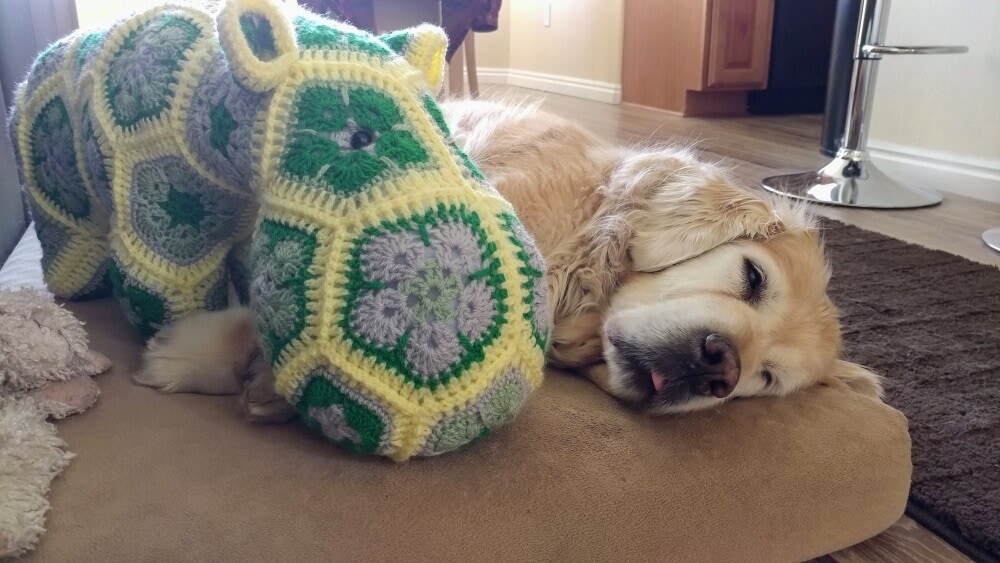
x=739, y=43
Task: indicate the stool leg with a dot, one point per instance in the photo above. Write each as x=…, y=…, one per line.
x=470, y=64
x=851, y=179
x=456, y=81
x=992, y=238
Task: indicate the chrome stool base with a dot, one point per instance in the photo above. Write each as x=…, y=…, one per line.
x=992, y=238
x=851, y=182
x=851, y=179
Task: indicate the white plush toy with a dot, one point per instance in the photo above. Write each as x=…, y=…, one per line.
x=44, y=353
x=45, y=369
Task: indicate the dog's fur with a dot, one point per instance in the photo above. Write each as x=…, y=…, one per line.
x=648, y=250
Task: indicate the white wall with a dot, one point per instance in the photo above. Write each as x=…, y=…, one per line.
x=936, y=119
x=493, y=48
x=579, y=53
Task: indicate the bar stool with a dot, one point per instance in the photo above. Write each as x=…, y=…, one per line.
x=851, y=179
x=992, y=238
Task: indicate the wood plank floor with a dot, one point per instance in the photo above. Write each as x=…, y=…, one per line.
x=757, y=147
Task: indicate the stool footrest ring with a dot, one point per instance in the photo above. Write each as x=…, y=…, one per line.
x=879, y=50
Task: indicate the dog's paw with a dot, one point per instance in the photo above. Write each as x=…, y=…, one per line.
x=203, y=353
x=259, y=401
x=273, y=411
x=171, y=374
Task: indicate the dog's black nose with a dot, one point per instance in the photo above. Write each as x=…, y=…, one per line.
x=715, y=370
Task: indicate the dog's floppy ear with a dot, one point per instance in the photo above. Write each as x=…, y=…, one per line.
x=857, y=378
x=679, y=208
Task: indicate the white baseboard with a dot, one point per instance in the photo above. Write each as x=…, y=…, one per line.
x=606, y=92
x=946, y=172
x=943, y=171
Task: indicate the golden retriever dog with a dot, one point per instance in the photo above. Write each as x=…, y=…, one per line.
x=671, y=287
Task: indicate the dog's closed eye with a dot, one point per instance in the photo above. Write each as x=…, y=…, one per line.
x=754, y=281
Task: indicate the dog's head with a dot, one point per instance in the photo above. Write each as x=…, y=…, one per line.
x=723, y=295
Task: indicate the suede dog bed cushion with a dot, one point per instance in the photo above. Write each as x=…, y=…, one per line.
x=575, y=477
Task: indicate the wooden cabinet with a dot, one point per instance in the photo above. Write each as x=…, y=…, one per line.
x=695, y=57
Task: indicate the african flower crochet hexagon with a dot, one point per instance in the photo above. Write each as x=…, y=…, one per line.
x=399, y=300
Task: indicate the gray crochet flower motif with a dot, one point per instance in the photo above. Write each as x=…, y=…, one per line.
x=48, y=63
x=281, y=257
x=219, y=124
x=143, y=70
x=334, y=424
x=54, y=159
x=178, y=213
x=425, y=300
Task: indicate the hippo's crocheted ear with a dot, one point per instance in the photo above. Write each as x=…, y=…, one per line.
x=423, y=47
x=259, y=42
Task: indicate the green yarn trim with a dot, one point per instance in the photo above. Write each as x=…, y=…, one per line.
x=257, y=31
x=287, y=277
x=87, y=47
x=373, y=109
x=402, y=148
x=325, y=112
x=167, y=63
x=531, y=276
x=396, y=40
x=395, y=358
x=321, y=108
x=223, y=126
x=435, y=110
x=53, y=160
x=320, y=393
x=469, y=165
x=184, y=208
x=48, y=51
x=146, y=310
x=315, y=34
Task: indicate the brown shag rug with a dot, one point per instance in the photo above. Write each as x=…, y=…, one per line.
x=930, y=323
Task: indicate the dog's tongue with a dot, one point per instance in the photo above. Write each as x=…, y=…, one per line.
x=658, y=381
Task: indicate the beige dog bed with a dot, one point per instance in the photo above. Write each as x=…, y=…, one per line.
x=577, y=477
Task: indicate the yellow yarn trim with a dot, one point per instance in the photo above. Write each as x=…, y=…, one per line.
x=252, y=72
x=426, y=51
x=79, y=260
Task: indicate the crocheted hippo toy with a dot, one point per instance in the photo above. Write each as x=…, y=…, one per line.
x=399, y=300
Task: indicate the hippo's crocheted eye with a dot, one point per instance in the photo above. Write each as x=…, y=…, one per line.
x=362, y=138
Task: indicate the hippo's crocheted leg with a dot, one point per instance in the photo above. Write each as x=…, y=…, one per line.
x=51, y=142
x=171, y=253
x=179, y=130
